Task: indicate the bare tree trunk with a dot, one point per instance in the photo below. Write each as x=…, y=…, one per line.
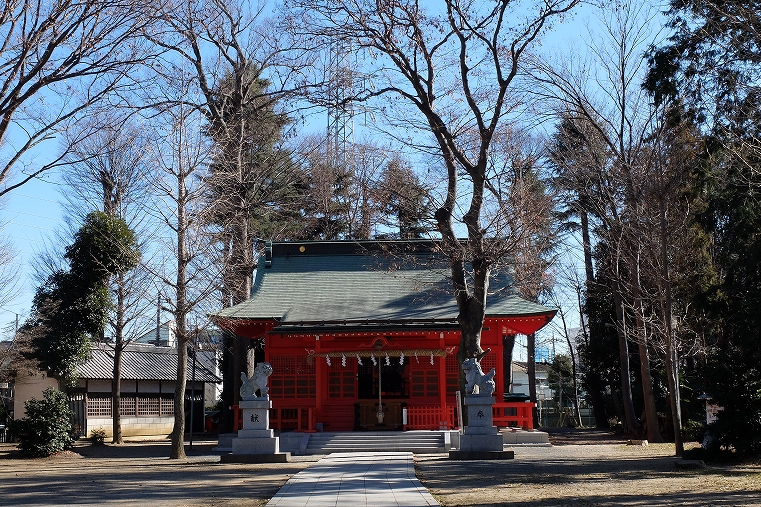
x=178, y=432
x=651, y=412
x=631, y=425
x=180, y=314
x=671, y=359
x=573, y=370
x=119, y=345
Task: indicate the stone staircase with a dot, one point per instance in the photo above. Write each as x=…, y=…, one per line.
x=421, y=442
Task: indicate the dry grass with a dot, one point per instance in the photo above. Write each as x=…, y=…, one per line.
x=588, y=475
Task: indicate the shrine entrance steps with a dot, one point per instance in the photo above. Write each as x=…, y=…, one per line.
x=421, y=442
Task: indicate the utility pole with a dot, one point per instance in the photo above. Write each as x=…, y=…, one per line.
x=158, y=320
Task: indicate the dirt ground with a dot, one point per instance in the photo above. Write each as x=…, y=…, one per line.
x=589, y=468
x=582, y=468
x=139, y=474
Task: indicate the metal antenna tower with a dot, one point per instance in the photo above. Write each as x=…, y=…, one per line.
x=340, y=107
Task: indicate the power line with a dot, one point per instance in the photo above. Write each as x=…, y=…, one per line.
x=31, y=214
x=21, y=224
x=36, y=197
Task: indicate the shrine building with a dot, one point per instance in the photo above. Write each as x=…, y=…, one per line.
x=357, y=328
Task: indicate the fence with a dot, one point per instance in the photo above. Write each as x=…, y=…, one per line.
x=512, y=413
x=132, y=407
x=430, y=418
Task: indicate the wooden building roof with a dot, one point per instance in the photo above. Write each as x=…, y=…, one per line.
x=363, y=284
x=142, y=362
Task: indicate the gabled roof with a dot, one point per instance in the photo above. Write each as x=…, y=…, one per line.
x=143, y=362
x=363, y=281
x=522, y=366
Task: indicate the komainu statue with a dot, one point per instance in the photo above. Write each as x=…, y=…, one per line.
x=257, y=381
x=477, y=382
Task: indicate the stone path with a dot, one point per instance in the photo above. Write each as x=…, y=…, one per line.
x=361, y=479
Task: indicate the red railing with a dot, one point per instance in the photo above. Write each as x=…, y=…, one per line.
x=432, y=417
x=516, y=412
x=296, y=419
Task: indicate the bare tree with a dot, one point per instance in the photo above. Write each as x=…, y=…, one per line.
x=13, y=352
x=59, y=61
x=579, y=155
x=370, y=191
x=451, y=68
x=674, y=258
x=556, y=298
x=240, y=70
x=519, y=209
x=106, y=169
x=180, y=154
x=108, y=172
x=617, y=110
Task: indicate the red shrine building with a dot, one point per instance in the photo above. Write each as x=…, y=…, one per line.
x=363, y=335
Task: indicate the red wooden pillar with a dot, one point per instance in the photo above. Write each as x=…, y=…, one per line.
x=319, y=376
x=443, y=381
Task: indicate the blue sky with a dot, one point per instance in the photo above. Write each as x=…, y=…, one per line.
x=33, y=212
x=30, y=214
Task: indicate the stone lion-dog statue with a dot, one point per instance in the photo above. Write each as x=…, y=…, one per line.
x=478, y=382
x=257, y=381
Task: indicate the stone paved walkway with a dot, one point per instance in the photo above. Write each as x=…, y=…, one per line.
x=362, y=479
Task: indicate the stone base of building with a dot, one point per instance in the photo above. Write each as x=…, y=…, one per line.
x=481, y=455
x=280, y=457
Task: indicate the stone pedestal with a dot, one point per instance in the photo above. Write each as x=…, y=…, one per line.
x=256, y=442
x=481, y=439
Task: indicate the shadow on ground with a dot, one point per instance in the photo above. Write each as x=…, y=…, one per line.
x=139, y=474
x=584, y=436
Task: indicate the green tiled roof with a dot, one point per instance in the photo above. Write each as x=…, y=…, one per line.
x=315, y=282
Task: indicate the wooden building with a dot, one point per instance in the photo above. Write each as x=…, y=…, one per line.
x=357, y=328
x=148, y=380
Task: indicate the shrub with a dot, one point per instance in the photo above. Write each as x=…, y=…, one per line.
x=712, y=454
x=47, y=427
x=98, y=436
x=694, y=430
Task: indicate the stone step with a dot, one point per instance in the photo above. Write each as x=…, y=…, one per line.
x=419, y=442
x=373, y=442
x=316, y=438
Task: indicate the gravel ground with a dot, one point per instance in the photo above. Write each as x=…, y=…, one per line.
x=582, y=468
